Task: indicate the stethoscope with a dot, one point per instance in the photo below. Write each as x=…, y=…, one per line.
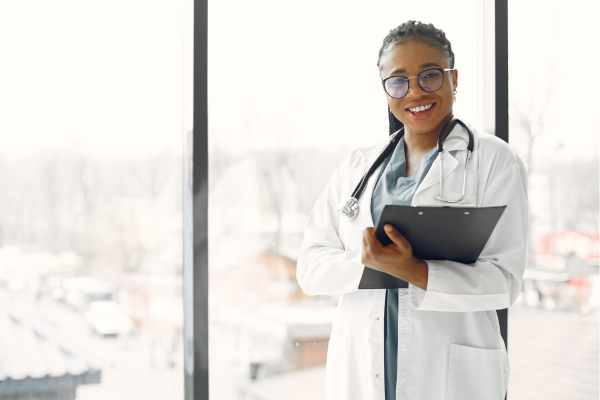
x=350, y=209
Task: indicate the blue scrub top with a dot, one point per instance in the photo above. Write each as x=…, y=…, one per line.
x=394, y=187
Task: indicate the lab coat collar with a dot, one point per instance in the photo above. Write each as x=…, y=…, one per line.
x=457, y=139
x=372, y=152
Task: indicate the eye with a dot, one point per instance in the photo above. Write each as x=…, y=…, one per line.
x=430, y=74
x=397, y=81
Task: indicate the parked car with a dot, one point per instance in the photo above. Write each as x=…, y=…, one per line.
x=108, y=318
x=81, y=291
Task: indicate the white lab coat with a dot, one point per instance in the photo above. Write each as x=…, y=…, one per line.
x=449, y=343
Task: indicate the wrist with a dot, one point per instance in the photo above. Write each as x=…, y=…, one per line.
x=419, y=273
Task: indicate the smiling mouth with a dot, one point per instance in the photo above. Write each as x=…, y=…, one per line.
x=416, y=110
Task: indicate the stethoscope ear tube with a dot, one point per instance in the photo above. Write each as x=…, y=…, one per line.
x=389, y=148
x=449, y=125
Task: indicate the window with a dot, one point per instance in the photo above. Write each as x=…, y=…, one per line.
x=556, y=317
x=292, y=89
x=90, y=202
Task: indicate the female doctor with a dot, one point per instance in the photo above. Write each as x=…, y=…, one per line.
x=439, y=338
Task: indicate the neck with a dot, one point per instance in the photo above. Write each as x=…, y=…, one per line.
x=423, y=142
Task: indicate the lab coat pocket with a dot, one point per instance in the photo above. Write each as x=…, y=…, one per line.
x=477, y=374
x=336, y=369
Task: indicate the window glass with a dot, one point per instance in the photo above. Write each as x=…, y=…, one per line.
x=90, y=200
x=558, y=142
x=293, y=88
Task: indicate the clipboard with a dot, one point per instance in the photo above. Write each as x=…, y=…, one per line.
x=435, y=233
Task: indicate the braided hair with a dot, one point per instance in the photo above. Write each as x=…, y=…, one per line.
x=407, y=32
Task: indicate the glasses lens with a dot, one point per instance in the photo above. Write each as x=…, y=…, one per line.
x=431, y=80
x=396, y=86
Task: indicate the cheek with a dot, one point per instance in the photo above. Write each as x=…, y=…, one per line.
x=400, y=113
x=395, y=106
x=450, y=98
x=447, y=98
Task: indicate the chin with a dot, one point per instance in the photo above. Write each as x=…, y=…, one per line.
x=424, y=126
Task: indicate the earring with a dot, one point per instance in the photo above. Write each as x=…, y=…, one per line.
x=455, y=96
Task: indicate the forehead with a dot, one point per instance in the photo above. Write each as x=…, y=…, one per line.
x=410, y=56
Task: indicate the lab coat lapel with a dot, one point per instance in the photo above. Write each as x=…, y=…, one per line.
x=433, y=176
x=366, y=197
x=356, y=175
x=456, y=140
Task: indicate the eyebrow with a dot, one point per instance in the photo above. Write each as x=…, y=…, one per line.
x=402, y=70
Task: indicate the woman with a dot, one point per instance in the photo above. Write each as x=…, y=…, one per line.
x=439, y=338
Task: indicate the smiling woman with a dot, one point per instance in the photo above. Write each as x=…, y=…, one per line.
x=422, y=52
x=457, y=351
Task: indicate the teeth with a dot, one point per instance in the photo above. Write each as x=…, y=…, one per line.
x=422, y=108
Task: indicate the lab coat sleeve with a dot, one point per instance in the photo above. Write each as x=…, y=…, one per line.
x=494, y=281
x=324, y=266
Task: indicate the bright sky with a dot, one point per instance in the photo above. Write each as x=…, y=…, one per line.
x=107, y=76
x=102, y=75
x=309, y=69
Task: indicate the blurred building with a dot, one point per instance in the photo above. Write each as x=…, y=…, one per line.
x=296, y=385
x=37, y=362
x=273, y=326
x=155, y=305
x=565, y=273
x=270, y=277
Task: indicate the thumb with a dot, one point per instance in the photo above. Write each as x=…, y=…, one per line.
x=395, y=235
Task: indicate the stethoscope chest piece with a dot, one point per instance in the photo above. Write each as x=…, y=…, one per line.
x=350, y=209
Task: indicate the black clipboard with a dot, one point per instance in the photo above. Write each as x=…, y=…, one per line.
x=435, y=233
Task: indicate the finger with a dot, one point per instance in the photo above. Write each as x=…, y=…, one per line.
x=365, y=249
x=363, y=256
x=396, y=237
x=366, y=245
x=370, y=237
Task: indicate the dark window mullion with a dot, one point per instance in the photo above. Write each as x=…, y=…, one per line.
x=195, y=188
x=501, y=105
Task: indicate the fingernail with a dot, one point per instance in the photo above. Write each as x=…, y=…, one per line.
x=388, y=228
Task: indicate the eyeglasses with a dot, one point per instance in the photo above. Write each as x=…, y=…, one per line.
x=429, y=80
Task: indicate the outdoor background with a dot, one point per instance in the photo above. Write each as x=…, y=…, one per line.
x=92, y=105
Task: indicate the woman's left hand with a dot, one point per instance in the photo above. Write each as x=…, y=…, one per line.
x=396, y=259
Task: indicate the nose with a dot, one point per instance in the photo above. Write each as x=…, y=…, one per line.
x=414, y=86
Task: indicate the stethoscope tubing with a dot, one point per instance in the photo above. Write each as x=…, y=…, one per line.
x=351, y=209
x=389, y=148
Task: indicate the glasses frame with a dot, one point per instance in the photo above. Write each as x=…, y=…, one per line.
x=442, y=70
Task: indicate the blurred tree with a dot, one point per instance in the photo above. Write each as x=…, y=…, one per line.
x=531, y=114
x=577, y=192
x=53, y=200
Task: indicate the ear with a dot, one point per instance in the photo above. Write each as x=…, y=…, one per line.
x=455, y=78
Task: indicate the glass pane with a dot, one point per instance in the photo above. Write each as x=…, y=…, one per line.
x=280, y=122
x=553, y=329
x=90, y=207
